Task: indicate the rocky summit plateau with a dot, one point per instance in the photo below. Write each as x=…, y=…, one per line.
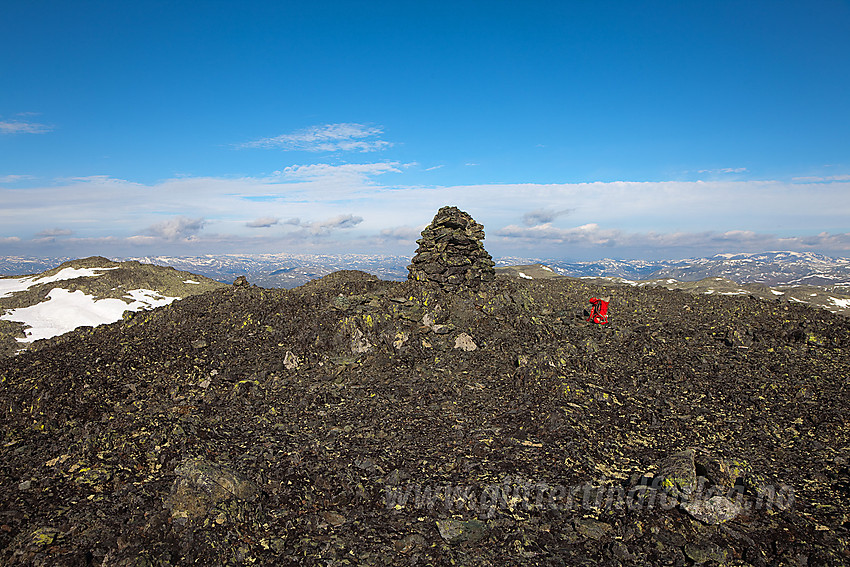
x=357, y=421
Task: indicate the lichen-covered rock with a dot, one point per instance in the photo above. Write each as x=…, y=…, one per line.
x=679, y=473
x=200, y=485
x=451, y=253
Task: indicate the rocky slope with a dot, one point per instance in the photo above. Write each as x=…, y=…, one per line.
x=354, y=421
x=85, y=292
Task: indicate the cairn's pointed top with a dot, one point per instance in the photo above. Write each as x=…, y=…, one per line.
x=450, y=252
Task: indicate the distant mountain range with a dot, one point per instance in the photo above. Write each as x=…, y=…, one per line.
x=292, y=270
x=38, y=303
x=768, y=268
x=266, y=270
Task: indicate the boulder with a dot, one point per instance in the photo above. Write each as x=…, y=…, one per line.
x=459, y=531
x=200, y=485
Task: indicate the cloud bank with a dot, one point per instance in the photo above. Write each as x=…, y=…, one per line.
x=355, y=208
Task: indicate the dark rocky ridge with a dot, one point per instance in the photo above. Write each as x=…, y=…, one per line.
x=253, y=426
x=451, y=253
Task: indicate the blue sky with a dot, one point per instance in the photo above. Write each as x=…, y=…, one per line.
x=572, y=130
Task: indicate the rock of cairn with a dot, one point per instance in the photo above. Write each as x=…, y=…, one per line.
x=451, y=254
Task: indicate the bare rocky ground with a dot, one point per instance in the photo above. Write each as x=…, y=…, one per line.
x=353, y=421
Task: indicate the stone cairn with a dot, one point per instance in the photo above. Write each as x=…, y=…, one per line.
x=451, y=254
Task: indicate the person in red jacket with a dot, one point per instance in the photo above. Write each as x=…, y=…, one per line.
x=599, y=311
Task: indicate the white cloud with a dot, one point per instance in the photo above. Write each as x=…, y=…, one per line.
x=821, y=179
x=14, y=178
x=724, y=170
x=347, y=137
x=542, y=216
x=178, y=228
x=345, y=172
x=337, y=222
x=22, y=127
x=404, y=233
x=54, y=232
x=327, y=226
x=263, y=222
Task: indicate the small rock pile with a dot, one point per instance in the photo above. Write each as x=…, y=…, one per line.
x=451, y=254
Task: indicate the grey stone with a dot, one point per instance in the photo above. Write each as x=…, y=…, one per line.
x=714, y=510
x=701, y=553
x=592, y=529
x=465, y=343
x=458, y=531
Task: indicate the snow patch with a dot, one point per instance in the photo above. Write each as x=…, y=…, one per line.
x=522, y=275
x=8, y=286
x=65, y=310
x=71, y=273
x=191, y=282
x=843, y=303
